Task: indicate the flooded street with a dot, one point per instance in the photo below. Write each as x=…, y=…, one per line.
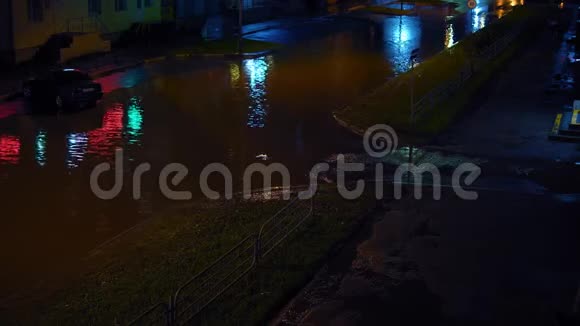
x=192, y=112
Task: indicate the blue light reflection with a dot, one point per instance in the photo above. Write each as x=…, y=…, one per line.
x=77, y=144
x=256, y=71
x=401, y=36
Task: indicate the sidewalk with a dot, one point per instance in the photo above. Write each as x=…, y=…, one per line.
x=95, y=65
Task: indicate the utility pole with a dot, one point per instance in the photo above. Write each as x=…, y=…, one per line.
x=240, y=24
x=412, y=59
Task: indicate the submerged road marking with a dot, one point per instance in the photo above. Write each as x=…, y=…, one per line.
x=575, y=118
x=557, y=123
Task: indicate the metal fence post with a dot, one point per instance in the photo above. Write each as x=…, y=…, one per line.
x=312, y=203
x=257, y=249
x=172, y=311
x=169, y=317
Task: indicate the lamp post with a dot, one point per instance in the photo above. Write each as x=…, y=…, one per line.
x=412, y=60
x=240, y=24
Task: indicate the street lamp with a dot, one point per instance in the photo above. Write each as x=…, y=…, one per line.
x=240, y=24
x=412, y=61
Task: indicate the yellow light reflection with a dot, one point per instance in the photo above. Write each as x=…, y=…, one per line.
x=449, y=36
x=234, y=73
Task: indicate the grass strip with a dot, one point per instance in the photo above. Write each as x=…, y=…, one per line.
x=149, y=264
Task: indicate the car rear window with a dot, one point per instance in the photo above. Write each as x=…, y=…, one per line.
x=70, y=76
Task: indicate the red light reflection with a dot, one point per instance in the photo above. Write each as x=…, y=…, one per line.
x=103, y=141
x=9, y=149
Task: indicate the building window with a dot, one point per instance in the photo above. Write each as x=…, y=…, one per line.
x=35, y=10
x=148, y=3
x=95, y=7
x=120, y=5
x=139, y=4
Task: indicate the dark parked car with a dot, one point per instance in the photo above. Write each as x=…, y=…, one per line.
x=61, y=90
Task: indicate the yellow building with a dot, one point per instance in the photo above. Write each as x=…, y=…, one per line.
x=26, y=25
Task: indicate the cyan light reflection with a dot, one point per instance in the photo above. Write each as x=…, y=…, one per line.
x=478, y=17
x=134, y=120
x=256, y=71
x=402, y=36
x=77, y=144
x=40, y=148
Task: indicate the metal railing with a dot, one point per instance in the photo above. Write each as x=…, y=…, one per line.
x=445, y=90
x=197, y=293
x=280, y=226
x=200, y=291
x=159, y=314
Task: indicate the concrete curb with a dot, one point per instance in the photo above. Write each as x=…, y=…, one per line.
x=357, y=131
x=9, y=96
x=106, y=72
x=246, y=55
x=97, y=74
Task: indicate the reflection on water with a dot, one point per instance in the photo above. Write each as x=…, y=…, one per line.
x=40, y=148
x=449, y=36
x=502, y=7
x=102, y=141
x=77, y=144
x=127, y=79
x=477, y=17
x=134, y=121
x=9, y=149
x=234, y=74
x=402, y=36
x=256, y=71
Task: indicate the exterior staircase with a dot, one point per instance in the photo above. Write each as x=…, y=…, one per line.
x=84, y=44
x=86, y=33
x=567, y=125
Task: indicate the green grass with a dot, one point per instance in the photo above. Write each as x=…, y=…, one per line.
x=149, y=264
x=278, y=279
x=228, y=46
x=390, y=103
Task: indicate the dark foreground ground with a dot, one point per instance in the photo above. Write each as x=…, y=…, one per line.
x=507, y=259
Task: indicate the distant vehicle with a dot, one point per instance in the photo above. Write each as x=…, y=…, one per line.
x=61, y=90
